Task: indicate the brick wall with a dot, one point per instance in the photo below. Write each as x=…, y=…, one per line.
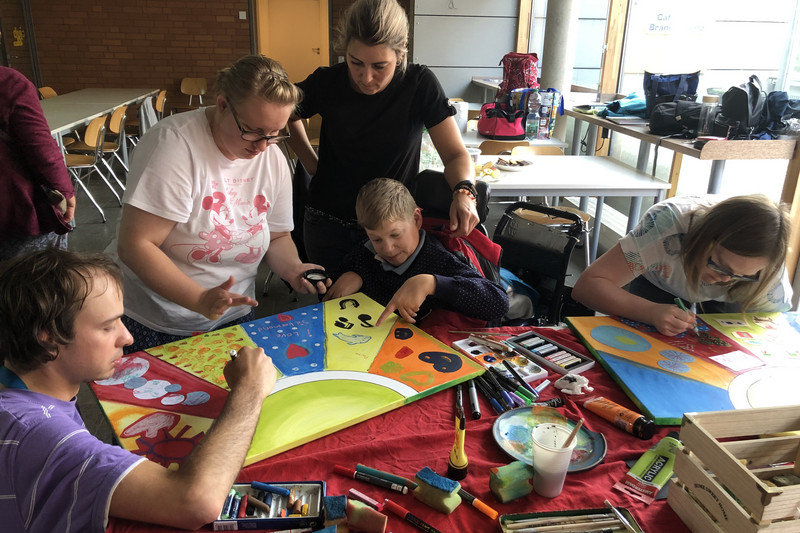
x=145, y=43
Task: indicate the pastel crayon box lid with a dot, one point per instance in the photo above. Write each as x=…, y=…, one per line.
x=302, y=507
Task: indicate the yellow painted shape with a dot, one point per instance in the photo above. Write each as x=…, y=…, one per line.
x=699, y=369
x=204, y=355
x=343, y=349
x=294, y=416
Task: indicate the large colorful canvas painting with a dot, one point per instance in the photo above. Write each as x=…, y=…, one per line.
x=735, y=361
x=336, y=368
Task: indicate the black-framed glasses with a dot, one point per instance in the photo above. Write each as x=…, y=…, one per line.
x=725, y=272
x=254, y=136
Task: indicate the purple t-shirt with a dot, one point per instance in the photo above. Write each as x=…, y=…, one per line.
x=56, y=476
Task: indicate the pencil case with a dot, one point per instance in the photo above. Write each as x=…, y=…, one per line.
x=550, y=354
x=274, y=509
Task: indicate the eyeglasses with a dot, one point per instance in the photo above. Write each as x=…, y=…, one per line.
x=725, y=272
x=254, y=136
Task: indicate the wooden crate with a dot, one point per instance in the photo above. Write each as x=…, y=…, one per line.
x=725, y=457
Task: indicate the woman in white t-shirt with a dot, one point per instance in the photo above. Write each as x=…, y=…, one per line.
x=209, y=196
x=725, y=255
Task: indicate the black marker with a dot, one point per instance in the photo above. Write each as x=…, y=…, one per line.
x=473, y=400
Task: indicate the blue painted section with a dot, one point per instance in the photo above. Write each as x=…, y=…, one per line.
x=295, y=340
x=661, y=395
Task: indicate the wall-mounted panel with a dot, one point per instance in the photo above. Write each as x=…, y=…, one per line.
x=463, y=41
x=457, y=8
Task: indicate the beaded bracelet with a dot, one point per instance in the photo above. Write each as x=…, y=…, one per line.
x=466, y=185
x=467, y=192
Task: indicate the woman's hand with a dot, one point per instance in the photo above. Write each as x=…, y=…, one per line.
x=215, y=301
x=299, y=283
x=463, y=215
x=671, y=320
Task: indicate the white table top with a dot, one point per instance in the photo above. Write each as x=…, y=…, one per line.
x=472, y=139
x=575, y=176
x=67, y=111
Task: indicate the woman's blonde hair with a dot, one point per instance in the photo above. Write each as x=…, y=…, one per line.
x=257, y=76
x=750, y=226
x=375, y=22
x=384, y=200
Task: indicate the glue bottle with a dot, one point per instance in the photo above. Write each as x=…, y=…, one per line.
x=622, y=417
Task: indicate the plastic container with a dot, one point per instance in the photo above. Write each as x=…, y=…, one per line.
x=532, y=118
x=708, y=114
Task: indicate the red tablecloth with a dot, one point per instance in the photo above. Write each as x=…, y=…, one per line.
x=421, y=434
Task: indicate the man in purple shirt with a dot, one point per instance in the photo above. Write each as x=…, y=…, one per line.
x=59, y=327
x=37, y=200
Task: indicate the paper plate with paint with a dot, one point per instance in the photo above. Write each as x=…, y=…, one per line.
x=512, y=431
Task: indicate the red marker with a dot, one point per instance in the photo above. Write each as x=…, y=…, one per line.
x=362, y=476
x=403, y=513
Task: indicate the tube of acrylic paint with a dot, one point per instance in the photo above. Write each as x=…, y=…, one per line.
x=652, y=471
x=622, y=417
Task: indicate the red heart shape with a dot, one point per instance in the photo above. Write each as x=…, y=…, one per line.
x=285, y=318
x=294, y=351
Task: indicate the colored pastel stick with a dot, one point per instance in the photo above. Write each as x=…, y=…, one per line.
x=228, y=505
x=269, y=488
x=243, y=506
x=353, y=494
x=400, y=480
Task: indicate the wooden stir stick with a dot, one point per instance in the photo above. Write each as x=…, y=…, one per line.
x=572, y=435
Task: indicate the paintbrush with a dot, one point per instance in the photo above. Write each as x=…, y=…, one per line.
x=574, y=432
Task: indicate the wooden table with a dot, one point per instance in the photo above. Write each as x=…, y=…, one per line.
x=716, y=151
x=67, y=112
x=581, y=176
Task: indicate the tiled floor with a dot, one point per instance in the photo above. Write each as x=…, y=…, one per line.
x=92, y=234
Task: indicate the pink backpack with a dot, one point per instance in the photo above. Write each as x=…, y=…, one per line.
x=519, y=72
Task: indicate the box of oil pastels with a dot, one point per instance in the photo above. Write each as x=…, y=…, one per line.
x=550, y=353
x=273, y=506
x=575, y=520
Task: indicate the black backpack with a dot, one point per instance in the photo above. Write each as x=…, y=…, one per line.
x=744, y=104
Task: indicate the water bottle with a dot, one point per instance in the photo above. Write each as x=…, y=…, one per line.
x=532, y=118
x=708, y=114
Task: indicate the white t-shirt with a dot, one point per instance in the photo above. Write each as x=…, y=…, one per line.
x=652, y=249
x=224, y=211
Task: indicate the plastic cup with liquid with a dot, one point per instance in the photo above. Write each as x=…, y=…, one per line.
x=550, y=458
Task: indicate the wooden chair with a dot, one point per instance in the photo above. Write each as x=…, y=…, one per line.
x=81, y=166
x=109, y=148
x=493, y=147
x=192, y=87
x=546, y=149
x=132, y=125
x=46, y=92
